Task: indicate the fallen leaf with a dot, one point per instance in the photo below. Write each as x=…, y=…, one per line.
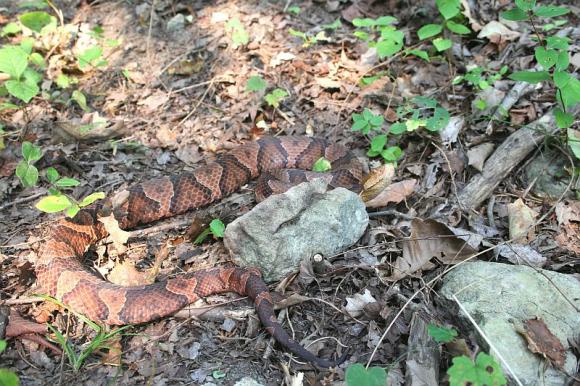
x=355, y=305
x=114, y=351
x=478, y=154
x=376, y=181
x=542, y=341
x=281, y=57
x=497, y=33
x=429, y=239
x=116, y=234
x=394, y=193
x=521, y=221
x=154, y=101
x=521, y=254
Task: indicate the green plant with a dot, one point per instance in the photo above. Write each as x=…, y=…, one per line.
x=294, y=9
x=358, y=375
x=216, y=228
x=553, y=57
x=57, y=201
x=25, y=170
x=367, y=121
x=441, y=334
x=321, y=165
x=380, y=34
x=420, y=112
x=256, y=83
x=7, y=377
x=481, y=79
x=239, y=35
x=450, y=10
x=485, y=371
x=308, y=39
x=274, y=98
x=99, y=342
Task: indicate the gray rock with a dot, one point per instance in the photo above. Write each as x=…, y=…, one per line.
x=176, y=23
x=286, y=228
x=247, y=381
x=500, y=297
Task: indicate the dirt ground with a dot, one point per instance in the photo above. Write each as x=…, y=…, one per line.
x=173, y=93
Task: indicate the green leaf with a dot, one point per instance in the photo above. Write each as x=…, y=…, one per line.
x=574, y=141
x=441, y=334
x=419, y=53
x=51, y=175
x=275, y=97
x=550, y=11
x=297, y=33
x=360, y=125
x=429, y=30
x=31, y=152
x=53, y=204
x=321, y=165
x=37, y=59
x=294, y=9
x=10, y=29
x=398, y=128
x=392, y=44
x=526, y=5
x=72, y=210
x=448, y=8
x=81, y=100
x=376, y=120
x=378, y=143
x=67, y=182
x=424, y=101
x=563, y=119
x=256, y=83
x=358, y=375
x=27, y=44
x=561, y=79
x=3, y=345
x=484, y=372
x=13, y=61
x=24, y=91
x=8, y=378
x=439, y=120
x=217, y=227
x=333, y=26
x=546, y=58
x=366, y=22
x=28, y=174
x=480, y=104
x=514, y=14
x=392, y=153
x=563, y=61
x=530, y=76
x=63, y=81
x=442, y=44
x=570, y=92
x=557, y=43
x=240, y=36
x=90, y=57
x=362, y=35
x=457, y=28
x=385, y=20
x=36, y=21
x=88, y=200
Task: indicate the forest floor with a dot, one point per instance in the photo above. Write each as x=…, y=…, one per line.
x=170, y=91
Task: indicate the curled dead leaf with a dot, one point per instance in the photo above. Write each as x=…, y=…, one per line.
x=521, y=221
x=429, y=239
x=376, y=181
x=395, y=193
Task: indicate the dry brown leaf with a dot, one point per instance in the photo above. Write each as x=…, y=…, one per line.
x=124, y=273
x=355, y=305
x=497, y=33
x=376, y=181
x=478, y=154
x=395, y=193
x=567, y=211
x=429, y=239
x=116, y=234
x=92, y=127
x=154, y=101
x=542, y=341
x=521, y=221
